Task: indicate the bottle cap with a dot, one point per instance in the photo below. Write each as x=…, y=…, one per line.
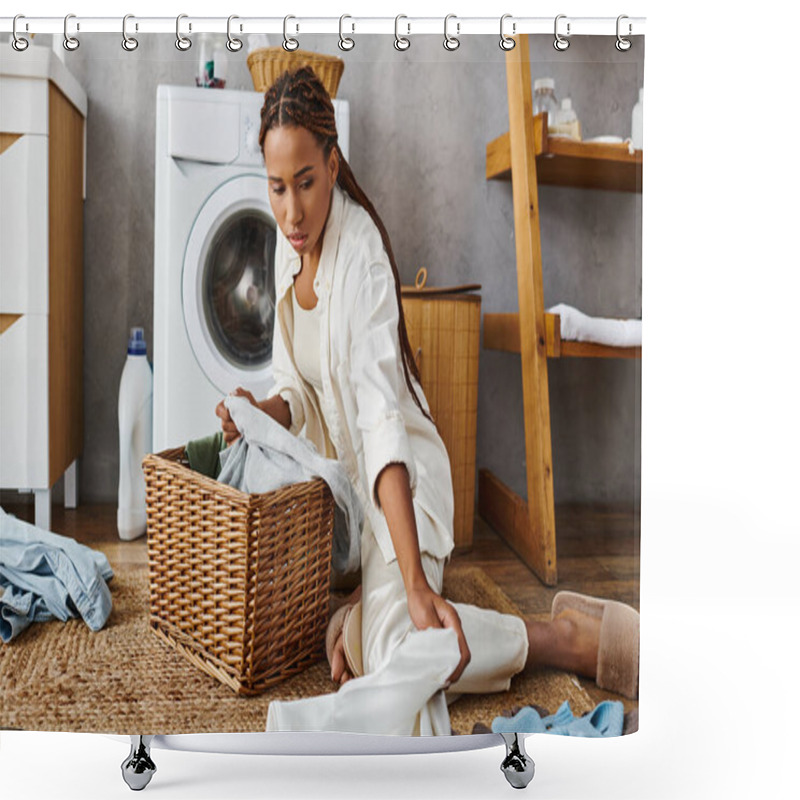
x=137, y=346
x=544, y=83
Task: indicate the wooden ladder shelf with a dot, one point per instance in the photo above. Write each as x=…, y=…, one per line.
x=528, y=156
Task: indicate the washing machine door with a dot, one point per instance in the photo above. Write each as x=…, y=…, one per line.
x=228, y=285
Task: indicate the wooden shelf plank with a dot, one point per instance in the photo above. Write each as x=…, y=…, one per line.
x=507, y=513
x=592, y=350
x=564, y=162
x=501, y=332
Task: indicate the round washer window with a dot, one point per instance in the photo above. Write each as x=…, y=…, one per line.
x=238, y=288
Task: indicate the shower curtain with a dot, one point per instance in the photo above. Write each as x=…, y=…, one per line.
x=420, y=121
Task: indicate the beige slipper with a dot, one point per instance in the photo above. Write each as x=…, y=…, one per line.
x=352, y=641
x=347, y=621
x=618, y=653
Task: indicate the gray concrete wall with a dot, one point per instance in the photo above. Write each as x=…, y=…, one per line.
x=420, y=124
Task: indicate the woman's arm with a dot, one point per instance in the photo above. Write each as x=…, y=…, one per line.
x=426, y=608
x=278, y=409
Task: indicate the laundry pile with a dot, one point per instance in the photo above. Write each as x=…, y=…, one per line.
x=45, y=576
x=266, y=457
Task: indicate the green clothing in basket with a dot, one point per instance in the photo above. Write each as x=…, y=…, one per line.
x=203, y=454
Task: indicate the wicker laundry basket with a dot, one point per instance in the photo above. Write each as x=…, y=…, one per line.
x=444, y=327
x=267, y=64
x=239, y=583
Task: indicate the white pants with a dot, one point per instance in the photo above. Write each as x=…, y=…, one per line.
x=405, y=669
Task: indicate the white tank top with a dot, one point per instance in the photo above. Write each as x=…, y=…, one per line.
x=306, y=342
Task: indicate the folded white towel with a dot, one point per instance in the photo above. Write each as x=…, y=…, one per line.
x=579, y=327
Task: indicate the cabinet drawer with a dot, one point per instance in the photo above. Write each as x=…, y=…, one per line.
x=23, y=404
x=24, y=106
x=24, y=227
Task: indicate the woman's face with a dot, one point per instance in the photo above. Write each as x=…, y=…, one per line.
x=300, y=182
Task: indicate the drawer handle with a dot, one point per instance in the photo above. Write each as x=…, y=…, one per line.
x=7, y=320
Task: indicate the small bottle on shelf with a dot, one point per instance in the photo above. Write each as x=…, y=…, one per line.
x=212, y=63
x=205, y=65
x=544, y=99
x=565, y=121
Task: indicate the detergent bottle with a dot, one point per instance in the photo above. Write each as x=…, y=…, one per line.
x=135, y=436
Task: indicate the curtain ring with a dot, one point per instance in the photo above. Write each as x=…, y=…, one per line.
x=451, y=42
x=401, y=42
x=70, y=42
x=560, y=43
x=183, y=43
x=128, y=42
x=623, y=44
x=289, y=44
x=345, y=42
x=20, y=43
x=233, y=44
x=506, y=42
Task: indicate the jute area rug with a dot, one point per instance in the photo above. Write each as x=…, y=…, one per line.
x=62, y=677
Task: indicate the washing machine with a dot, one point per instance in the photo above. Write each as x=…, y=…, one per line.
x=214, y=293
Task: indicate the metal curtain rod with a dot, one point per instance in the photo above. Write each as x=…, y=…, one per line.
x=408, y=26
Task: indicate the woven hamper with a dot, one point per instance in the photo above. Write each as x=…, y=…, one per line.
x=444, y=332
x=267, y=64
x=239, y=583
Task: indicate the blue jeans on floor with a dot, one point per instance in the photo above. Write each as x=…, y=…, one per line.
x=45, y=576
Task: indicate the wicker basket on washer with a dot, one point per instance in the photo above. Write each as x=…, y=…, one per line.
x=267, y=64
x=239, y=583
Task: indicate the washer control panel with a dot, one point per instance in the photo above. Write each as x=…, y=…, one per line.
x=249, y=152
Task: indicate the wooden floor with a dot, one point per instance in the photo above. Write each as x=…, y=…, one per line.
x=598, y=554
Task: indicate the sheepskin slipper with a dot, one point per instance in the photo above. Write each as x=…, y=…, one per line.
x=347, y=621
x=335, y=625
x=618, y=653
x=352, y=640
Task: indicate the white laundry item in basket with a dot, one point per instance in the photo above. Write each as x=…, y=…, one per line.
x=579, y=327
x=267, y=457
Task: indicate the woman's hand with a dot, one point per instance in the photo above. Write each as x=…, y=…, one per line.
x=429, y=610
x=229, y=430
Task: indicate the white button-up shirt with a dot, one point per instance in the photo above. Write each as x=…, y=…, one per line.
x=371, y=417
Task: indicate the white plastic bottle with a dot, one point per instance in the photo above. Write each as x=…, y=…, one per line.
x=565, y=121
x=205, y=62
x=544, y=99
x=135, y=436
x=637, y=137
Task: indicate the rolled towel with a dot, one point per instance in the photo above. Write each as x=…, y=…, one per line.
x=579, y=327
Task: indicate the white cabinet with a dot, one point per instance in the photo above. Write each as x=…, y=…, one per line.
x=42, y=130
